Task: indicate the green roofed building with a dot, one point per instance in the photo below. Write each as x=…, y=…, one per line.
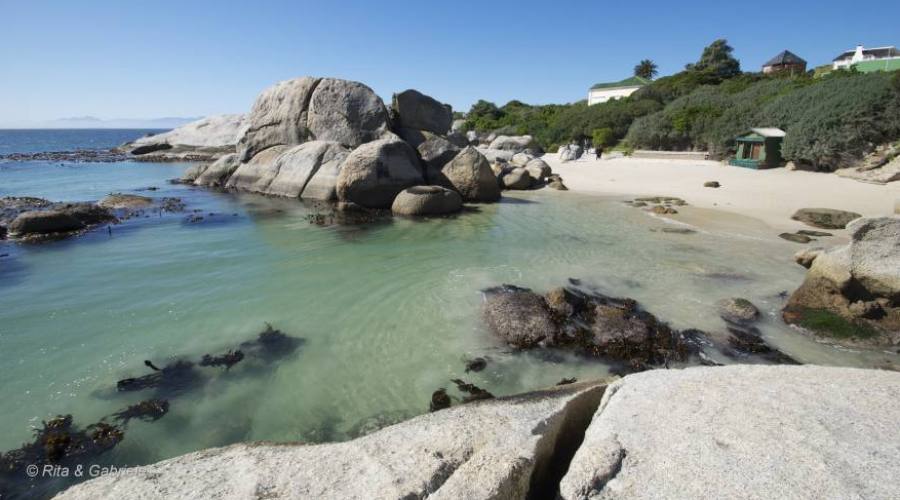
x=759, y=148
x=603, y=92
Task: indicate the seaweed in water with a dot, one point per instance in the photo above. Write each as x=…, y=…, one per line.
x=150, y=410
x=271, y=344
x=475, y=393
x=59, y=441
x=227, y=360
x=476, y=365
x=174, y=377
x=439, y=400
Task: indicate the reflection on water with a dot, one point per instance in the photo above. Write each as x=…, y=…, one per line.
x=388, y=311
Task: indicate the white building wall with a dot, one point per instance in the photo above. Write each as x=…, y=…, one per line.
x=596, y=96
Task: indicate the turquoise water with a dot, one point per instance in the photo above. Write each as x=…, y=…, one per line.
x=389, y=312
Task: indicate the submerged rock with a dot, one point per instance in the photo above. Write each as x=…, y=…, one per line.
x=518, y=316
x=62, y=218
x=122, y=201
x=737, y=310
x=796, y=238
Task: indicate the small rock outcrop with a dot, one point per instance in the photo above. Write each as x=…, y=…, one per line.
x=218, y=173
x=851, y=293
x=570, y=152
x=374, y=173
x=415, y=110
x=427, y=200
x=825, y=218
x=206, y=139
x=58, y=219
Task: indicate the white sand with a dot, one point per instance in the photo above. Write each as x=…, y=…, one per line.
x=771, y=196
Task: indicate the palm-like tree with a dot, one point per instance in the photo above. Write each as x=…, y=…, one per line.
x=646, y=69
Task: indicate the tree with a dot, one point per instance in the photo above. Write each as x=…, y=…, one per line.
x=717, y=60
x=646, y=69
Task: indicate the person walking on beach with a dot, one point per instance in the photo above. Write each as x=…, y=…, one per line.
x=599, y=151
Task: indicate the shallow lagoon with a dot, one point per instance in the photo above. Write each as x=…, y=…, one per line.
x=389, y=311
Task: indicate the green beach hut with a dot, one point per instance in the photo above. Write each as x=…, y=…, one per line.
x=759, y=148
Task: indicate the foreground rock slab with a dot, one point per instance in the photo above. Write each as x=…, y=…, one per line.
x=499, y=448
x=742, y=432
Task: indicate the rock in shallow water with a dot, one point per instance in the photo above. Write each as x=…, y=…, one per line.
x=375, y=173
x=426, y=200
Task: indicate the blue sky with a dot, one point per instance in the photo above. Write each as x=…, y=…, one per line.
x=128, y=59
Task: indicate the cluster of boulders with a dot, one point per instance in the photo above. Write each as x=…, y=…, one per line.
x=617, y=330
x=335, y=140
x=27, y=218
x=851, y=294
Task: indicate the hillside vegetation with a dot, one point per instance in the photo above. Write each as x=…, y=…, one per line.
x=830, y=121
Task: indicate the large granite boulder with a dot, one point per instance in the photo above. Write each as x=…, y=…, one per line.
x=435, y=152
x=426, y=200
x=851, y=294
x=297, y=166
x=825, y=218
x=515, y=143
x=278, y=117
x=503, y=448
x=538, y=169
x=418, y=111
x=205, y=139
x=347, y=112
x=470, y=174
x=295, y=111
x=218, y=173
x=742, y=432
x=519, y=317
x=458, y=126
x=517, y=178
x=374, y=173
x=256, y=174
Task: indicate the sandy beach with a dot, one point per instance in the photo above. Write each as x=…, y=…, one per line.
x=770, y=196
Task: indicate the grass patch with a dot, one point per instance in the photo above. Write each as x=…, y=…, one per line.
x=825, y=322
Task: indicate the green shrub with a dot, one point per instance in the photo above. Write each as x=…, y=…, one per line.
x=603, y=137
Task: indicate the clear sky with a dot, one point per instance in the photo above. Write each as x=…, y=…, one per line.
x=130, y=59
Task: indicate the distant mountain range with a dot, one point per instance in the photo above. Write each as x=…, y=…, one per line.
x=94, y=122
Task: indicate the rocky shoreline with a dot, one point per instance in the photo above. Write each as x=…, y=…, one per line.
x=696, y=433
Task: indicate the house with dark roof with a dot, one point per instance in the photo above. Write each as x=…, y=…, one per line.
x=786, y=61
x=603, y=92
x=869, y=60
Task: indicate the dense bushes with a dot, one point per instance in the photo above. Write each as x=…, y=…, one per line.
x=830, y=121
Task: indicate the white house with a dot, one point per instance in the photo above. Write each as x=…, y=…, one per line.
x=864, y=55
x=603, y=92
